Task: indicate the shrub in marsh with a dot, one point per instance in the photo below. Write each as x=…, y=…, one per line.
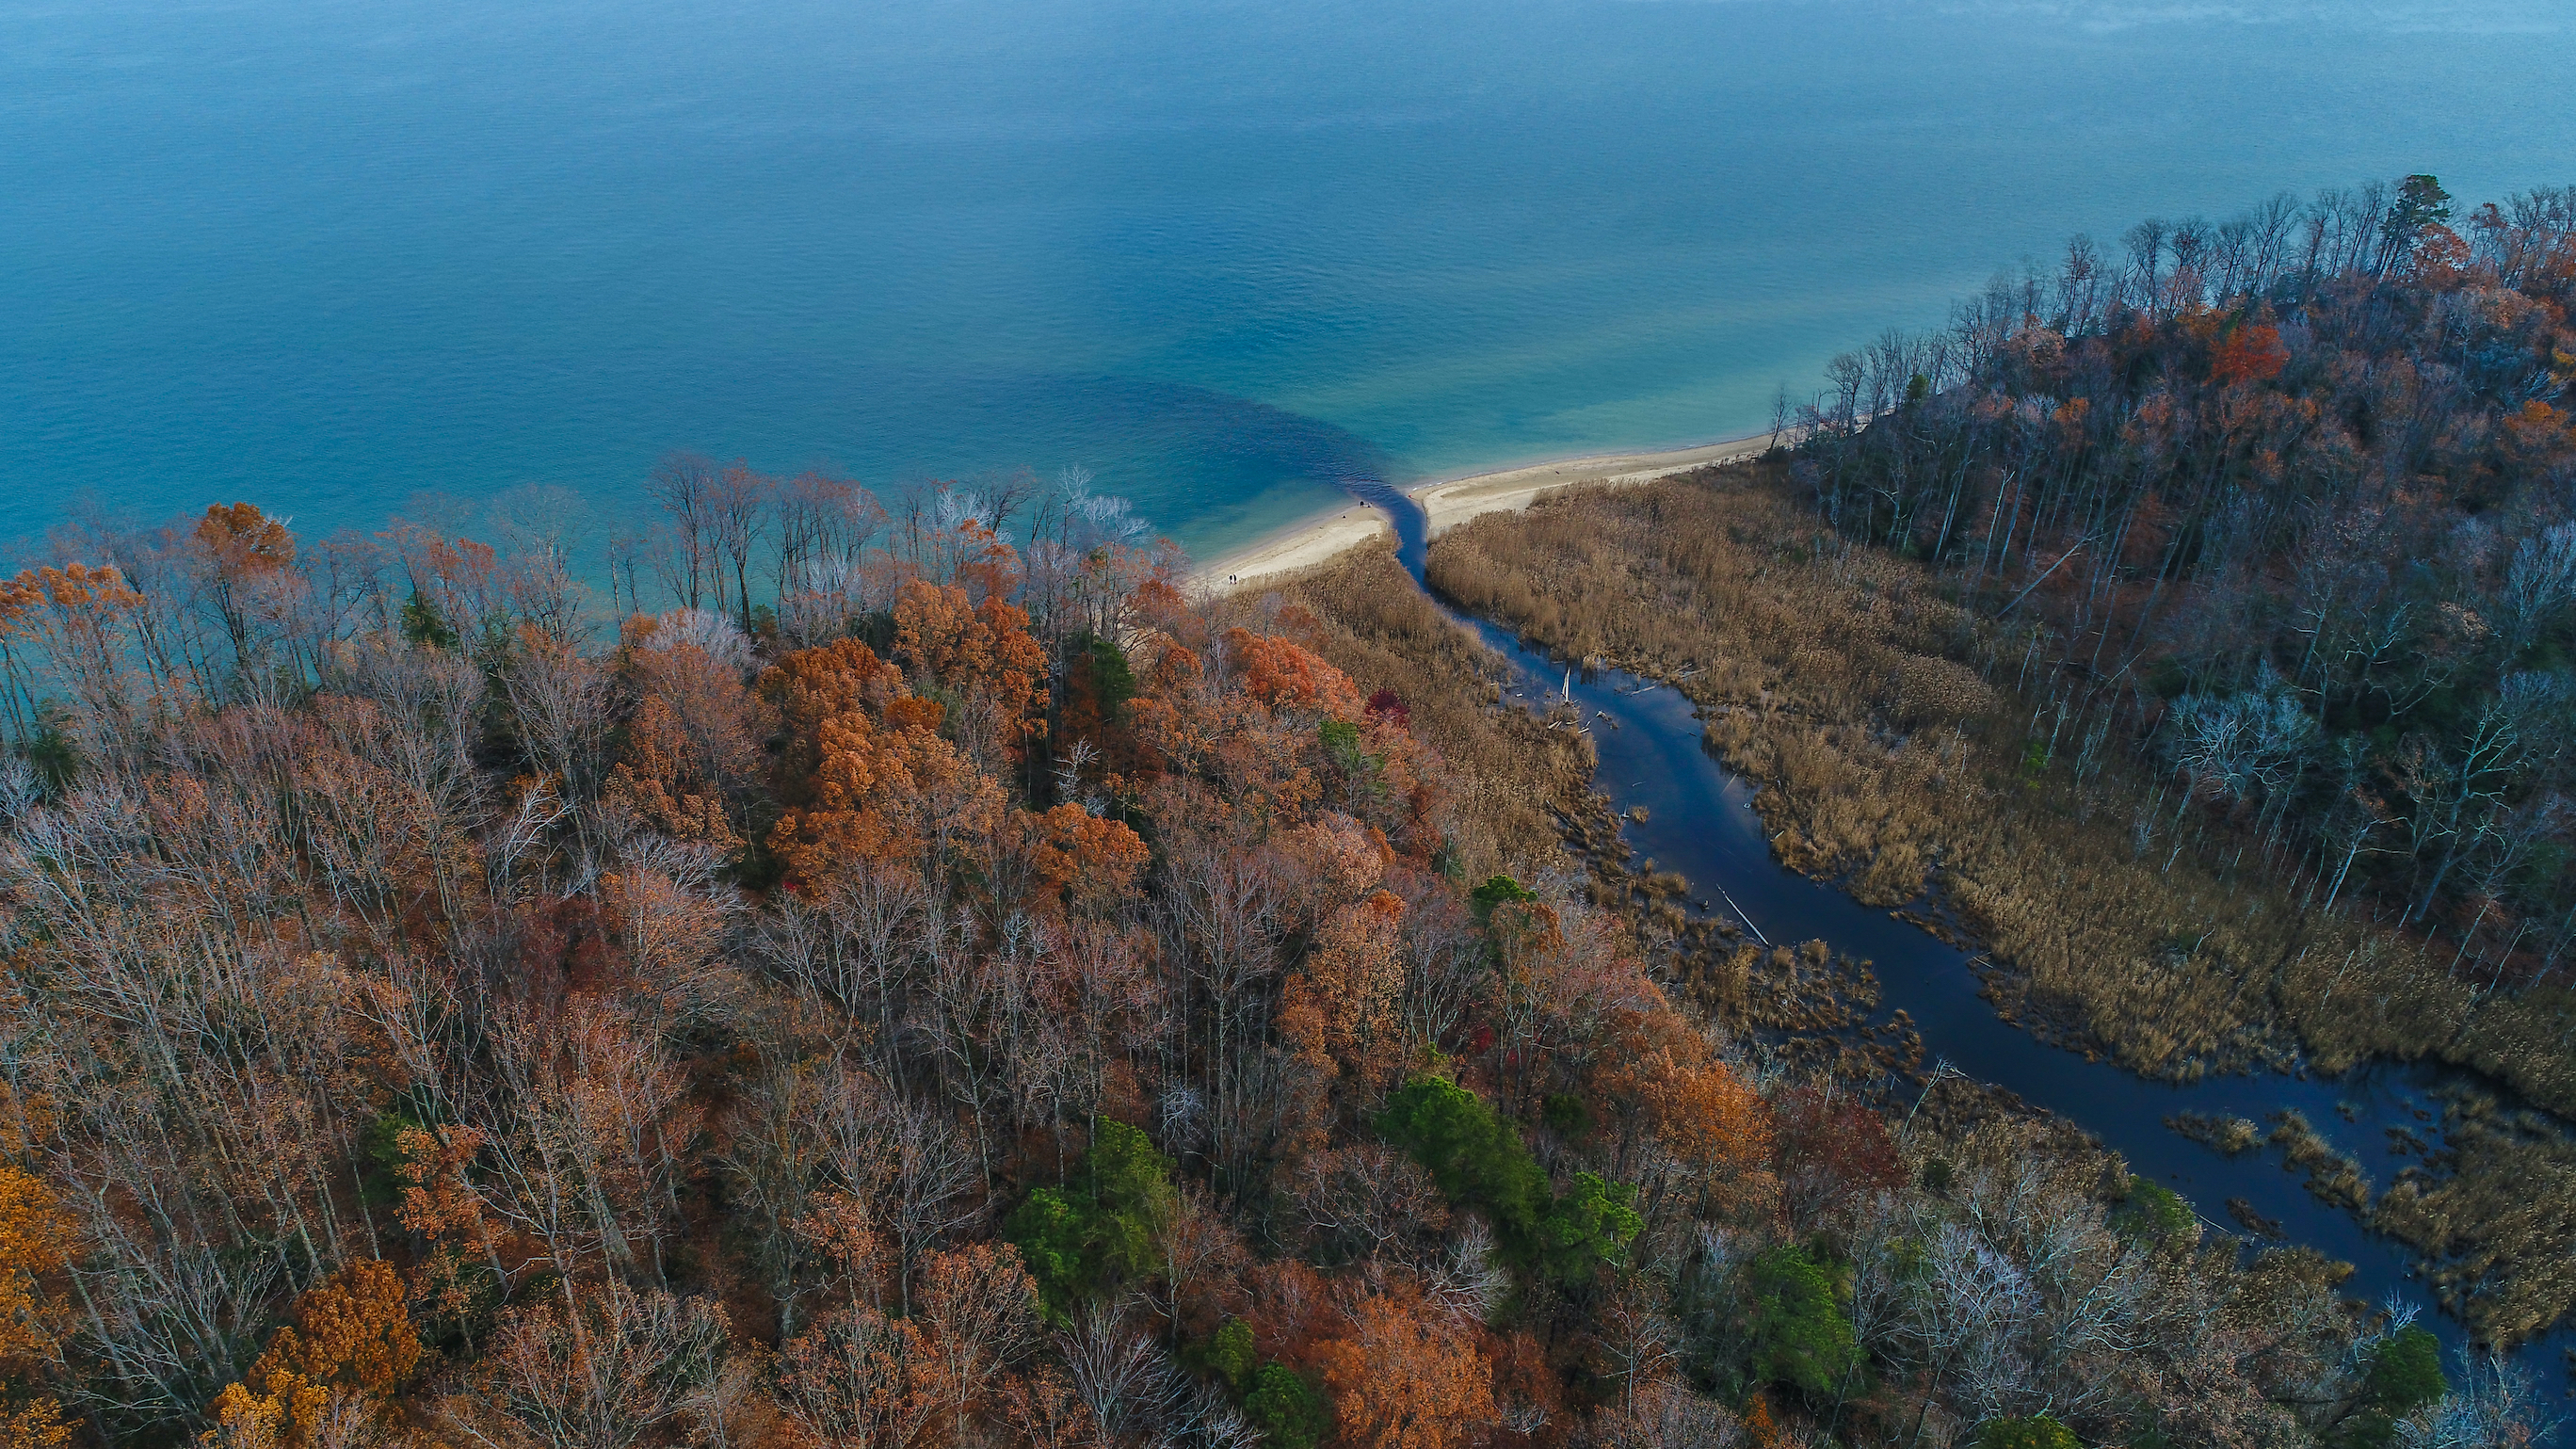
x=2405, y=1375
x=2155, y=1213
x=2405, y=1372
x=2039, y=1431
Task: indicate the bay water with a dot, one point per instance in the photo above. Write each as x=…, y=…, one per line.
x=466, y=260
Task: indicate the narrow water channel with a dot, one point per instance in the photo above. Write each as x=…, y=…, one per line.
x=1700, y=822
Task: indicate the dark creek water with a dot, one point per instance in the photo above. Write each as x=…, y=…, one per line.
x=1701, y=823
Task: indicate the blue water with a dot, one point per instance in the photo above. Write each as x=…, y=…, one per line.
x=353, y=259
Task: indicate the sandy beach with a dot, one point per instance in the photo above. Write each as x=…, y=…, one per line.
x=1301, y=545
x=1446, y=503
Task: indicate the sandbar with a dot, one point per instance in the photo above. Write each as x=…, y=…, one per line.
x=1296, y=548
x=1446, y=503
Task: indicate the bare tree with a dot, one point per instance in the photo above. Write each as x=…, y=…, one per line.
x=686, y=486
x=736, y=506
x=608, y=1367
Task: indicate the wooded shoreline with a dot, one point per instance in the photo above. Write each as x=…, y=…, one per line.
x=980, y=990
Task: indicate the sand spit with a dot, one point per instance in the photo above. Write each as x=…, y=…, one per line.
x=1447, y=503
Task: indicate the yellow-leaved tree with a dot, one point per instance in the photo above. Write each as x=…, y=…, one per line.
x=35, y=1244
x=347, y=1351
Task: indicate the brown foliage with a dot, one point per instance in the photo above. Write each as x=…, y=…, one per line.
x=35, y=1244
x=34, y=1247
x=882, y=786
x=983, y=651
x=1504, y=771
x=1341, y=1008
x=689, y=743
x=1090, y=862
x=245, y=540
x=671, y=1096
x=1406, y=1376
x=858, y=1377
x=1835, y=1155
x=1698, y=1107
x=1285, y=676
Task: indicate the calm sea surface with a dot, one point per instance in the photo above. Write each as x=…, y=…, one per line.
x=333, y=258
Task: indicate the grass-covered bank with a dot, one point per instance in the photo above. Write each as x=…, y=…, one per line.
x=1514, y=776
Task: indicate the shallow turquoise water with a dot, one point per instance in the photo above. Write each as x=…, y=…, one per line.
x=333, y=257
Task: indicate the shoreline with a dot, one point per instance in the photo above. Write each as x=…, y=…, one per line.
x=1448, y=502
x=1293, y=548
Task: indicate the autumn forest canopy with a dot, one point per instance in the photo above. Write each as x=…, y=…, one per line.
x=2286, y=506
x=905, y=972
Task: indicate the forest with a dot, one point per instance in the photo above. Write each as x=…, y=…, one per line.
x=2286, y=507
x=928, y=980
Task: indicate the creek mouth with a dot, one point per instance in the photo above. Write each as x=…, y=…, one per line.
x=1698, y=821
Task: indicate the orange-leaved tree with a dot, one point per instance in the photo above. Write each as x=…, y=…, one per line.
x=857, y=1375
x=2250, y=352
x=1286, y=676
x=80, y=623
x=35, y=1244
x=1659, y=1075
x=242, y=540
x=691, y=741
x=1084, y=860
x=36, y=1239
x=337, y=1365
x=1343, y=1009
x=866, y=774
x=984, y=652
x=246, y=552
x=441, y=1203
x=1407, y=1375
x=808, y=687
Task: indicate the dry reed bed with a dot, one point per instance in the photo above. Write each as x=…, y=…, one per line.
x=2333, y=1177
x=1897, y=757
x=2229, y=1135
x=2491, y=1211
